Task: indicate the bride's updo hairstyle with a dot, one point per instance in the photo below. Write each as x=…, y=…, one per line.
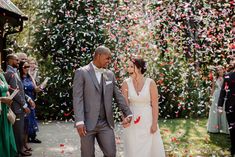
x=139, y=62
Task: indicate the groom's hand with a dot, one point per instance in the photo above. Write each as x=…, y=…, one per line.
x=81, y=130
x=126, y=121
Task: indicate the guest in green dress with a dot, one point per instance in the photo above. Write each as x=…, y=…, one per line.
x=7, y=139
x=217, y=123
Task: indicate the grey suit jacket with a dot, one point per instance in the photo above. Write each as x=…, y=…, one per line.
x=14, y=82
x=86, y=97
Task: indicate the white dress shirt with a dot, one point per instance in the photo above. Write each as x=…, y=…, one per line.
x=98, y=72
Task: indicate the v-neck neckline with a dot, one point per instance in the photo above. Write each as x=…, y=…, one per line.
x=136, y=92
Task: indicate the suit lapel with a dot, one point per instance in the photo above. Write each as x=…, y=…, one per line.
x=17, y=76
x=104, y=82
x=93, y=76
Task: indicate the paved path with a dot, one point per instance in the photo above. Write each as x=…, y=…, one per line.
x=60, y=139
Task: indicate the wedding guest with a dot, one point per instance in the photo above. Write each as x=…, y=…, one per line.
x=227, y=98
x=30, y=89
x=22, y=56
x=217, y=123
x=33, y=70
x=230, y=67
x=19, y=105
x=7, y=139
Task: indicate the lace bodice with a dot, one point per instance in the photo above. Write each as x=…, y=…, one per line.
x=141, y=98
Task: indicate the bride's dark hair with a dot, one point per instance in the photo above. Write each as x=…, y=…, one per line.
x=139, y=63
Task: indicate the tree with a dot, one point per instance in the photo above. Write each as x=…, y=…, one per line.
x=68, y=34
x=23, y=41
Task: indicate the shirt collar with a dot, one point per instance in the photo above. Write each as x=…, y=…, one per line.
x=101, y=70
x=95, y=67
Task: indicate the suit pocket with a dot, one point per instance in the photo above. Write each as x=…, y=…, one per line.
x=108, y=82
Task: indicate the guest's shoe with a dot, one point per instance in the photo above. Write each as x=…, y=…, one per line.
x=34, y=141
x=27, y=148
x=25, y=153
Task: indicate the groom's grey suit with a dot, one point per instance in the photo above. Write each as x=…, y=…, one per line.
x=92, y=102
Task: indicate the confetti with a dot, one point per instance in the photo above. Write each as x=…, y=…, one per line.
x=137, y=120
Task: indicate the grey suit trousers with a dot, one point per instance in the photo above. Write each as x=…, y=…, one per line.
x=18, y=129
x=105, y=138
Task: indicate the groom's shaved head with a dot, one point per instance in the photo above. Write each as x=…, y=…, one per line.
x=101, y=50
x=102, y=57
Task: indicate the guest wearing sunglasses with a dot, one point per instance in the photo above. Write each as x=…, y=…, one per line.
x=30, y=89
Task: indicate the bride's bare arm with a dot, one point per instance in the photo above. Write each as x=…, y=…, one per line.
x=125, y=91
x=154, y=103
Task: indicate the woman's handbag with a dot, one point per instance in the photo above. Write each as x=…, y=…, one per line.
x=11, y=116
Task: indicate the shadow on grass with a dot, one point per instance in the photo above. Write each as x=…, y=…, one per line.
x=189, y=137
x=175, y=125
x=221, y=140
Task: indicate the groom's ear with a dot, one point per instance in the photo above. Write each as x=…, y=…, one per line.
x=95, y=55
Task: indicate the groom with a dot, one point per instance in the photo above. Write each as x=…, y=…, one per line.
x=93, y=90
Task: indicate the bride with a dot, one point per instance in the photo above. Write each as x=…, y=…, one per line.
x=142, y=138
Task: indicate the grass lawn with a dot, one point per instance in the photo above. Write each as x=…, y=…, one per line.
x=189, y=138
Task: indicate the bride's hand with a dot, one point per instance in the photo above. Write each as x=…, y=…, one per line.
x=126, y=121
x=126, y=125
x=153, y=128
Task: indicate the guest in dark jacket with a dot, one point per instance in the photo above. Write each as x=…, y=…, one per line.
x=227, y=98
x=19, y=105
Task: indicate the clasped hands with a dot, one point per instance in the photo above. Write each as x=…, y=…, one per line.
x=126, y=122
x=32, y=105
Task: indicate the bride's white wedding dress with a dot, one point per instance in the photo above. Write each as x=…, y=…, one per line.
x=138, y=141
